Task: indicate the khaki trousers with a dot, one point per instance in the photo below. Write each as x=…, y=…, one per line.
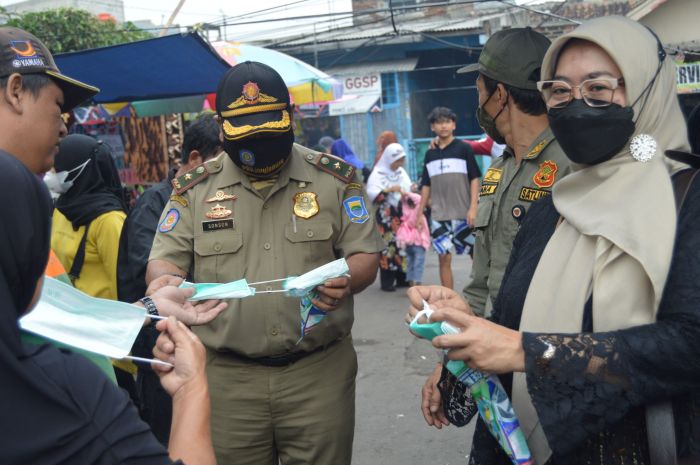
x=302, y=413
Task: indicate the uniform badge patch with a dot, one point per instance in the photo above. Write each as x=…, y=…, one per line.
x=179, y=199
x=353, y=185
x=217, y=225
x=493, y=175
x=247, y=157
x=170, y=220
x=305, y=204
x=546, y=175
x=488, y=189
x=355, y=209
x=529, y=194
x=218, y=212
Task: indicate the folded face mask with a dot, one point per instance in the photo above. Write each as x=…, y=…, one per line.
x=429, y=330
x=233, y=290
x=302, y=285
x=102, y=326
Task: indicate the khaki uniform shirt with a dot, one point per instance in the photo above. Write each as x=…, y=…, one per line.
x=507, y=191
x=263, y=239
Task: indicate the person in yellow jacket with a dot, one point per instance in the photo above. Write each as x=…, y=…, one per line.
x=87, y=223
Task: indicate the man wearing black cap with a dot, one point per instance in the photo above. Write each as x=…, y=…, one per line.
x=265, y=210
x=34, y=95
x=512, y=112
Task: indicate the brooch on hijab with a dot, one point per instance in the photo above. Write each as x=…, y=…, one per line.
x=643, y=147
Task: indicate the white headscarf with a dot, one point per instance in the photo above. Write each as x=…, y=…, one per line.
x=619, y=217
x=383, y=177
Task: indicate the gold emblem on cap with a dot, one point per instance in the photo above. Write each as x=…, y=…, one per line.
x=218, y=212
x=250, y=95
x=305, y=204
x=220, y=196
x=251, y=92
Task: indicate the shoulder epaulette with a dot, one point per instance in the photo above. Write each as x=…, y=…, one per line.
x=332, y=165
x=189, y=179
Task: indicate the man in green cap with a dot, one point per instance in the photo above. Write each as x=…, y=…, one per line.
x=512, y=112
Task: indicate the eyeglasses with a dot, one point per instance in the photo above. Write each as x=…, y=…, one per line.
x=598, y=92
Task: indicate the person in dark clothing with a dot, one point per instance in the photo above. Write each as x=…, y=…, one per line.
x=201, y=142
x=57, y=406
x=596, y=322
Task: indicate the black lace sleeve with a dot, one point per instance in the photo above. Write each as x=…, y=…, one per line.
x=582, y=384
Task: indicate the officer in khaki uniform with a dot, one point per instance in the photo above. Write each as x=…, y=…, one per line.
x=507, y=190
x=267, y=209
x=511, y=111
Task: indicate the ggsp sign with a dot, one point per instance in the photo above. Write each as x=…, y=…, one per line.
x=362, y=84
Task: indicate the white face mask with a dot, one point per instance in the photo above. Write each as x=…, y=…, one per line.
x=102, y=326
x=56, y=182
x=303, y=284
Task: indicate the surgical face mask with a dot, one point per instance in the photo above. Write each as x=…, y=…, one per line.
x=591, y=135
x=56, y=182
x=488, y=123
x=301, y=285
x=102, y=326
x=233, y=290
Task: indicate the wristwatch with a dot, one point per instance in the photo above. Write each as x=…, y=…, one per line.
x=150, y=306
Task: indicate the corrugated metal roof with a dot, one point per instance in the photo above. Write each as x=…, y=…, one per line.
x=389, y=66
x=385, y=29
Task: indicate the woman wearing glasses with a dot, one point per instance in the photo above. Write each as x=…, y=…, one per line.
x=597, y=319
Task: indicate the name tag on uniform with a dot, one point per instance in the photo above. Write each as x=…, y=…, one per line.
x=217, y=225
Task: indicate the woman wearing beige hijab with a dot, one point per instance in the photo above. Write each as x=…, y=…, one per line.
x=598, y=316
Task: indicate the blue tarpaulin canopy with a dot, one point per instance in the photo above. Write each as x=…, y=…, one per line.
x=166, y=67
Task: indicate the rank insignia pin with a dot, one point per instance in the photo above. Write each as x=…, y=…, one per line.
x=220, y=196
x=218, y=212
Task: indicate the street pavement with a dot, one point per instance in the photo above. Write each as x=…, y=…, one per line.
x=393, y=365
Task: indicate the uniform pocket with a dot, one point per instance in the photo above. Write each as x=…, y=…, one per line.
x=308, y=232
x=217, y=253
x=311, y=245
x=483, y=212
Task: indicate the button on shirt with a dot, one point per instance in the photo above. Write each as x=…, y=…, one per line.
x=264, y=244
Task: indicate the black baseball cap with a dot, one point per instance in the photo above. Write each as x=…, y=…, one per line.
x=512, y=56
x=21, y=52
x=252, y=99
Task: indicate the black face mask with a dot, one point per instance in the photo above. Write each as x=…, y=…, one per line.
x=591, y=135
x=488, y=123
x=263, y=157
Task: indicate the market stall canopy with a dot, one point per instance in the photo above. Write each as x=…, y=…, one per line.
x=165, y=67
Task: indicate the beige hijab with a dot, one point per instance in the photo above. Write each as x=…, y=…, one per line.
x=619, y=217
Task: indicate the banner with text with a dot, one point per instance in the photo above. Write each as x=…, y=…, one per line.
x=688, y=77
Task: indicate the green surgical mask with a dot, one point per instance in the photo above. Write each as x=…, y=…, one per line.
x=102, y=326
x=488, y=124
x=233, y=290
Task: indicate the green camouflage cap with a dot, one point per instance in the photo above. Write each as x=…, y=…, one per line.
x=513, y=57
